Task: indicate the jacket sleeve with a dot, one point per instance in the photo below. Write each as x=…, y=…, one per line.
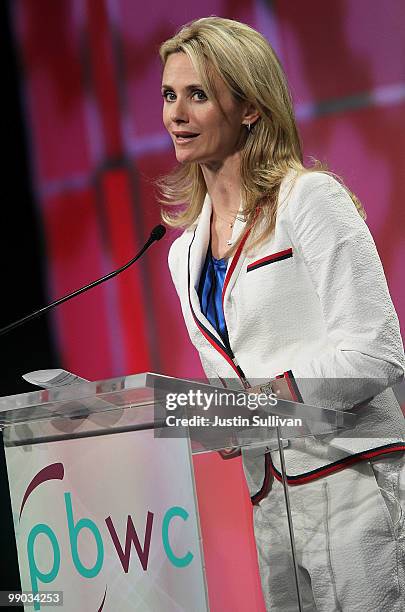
x=172, y=262
x=365, y=346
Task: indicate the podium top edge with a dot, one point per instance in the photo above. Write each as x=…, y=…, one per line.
x=135, y=390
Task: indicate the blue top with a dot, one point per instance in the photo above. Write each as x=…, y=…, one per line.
x=210, y=293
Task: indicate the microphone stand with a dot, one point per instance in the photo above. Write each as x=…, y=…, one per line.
x=156, y=234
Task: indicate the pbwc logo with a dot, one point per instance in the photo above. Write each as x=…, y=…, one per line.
x=56, y=471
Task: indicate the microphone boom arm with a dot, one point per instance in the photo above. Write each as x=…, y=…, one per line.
x=157, y=233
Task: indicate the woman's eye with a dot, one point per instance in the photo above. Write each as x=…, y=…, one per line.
x=199, y=92
x=167, y=93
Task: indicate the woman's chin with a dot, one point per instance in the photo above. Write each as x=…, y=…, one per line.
x=184, y=158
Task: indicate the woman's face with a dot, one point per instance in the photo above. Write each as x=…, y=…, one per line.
x=188, y=112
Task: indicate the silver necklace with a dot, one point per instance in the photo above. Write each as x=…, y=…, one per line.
x=236, y=218
x=230, y=225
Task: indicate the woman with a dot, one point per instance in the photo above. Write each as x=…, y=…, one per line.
x=279, y=280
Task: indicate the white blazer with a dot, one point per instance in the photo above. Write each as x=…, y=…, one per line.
x=311, y=304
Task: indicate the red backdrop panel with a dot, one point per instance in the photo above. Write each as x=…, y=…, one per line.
x=91, y=78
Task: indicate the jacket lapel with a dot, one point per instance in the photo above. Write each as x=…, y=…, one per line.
x=235, y=263
x=197, y=254
x=240, y=227
x=199, y=246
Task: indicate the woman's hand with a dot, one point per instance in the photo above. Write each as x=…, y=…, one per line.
x=279, y=386
x=230, y=453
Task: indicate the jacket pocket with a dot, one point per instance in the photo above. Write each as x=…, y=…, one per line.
x=387, y=475
x=269, y=259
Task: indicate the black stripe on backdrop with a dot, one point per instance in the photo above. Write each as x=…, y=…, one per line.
x=22, y=267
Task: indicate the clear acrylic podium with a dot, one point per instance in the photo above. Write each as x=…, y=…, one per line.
x=102, y=488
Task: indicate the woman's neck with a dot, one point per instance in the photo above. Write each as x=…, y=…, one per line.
x=223, y=185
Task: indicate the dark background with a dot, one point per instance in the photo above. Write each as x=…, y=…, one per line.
x=21, y=254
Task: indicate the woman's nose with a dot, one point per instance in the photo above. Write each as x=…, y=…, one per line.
x=178, y=111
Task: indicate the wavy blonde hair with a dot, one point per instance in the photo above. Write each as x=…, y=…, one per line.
x=246, y=62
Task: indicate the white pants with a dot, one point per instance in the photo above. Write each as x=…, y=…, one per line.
x=349, y=536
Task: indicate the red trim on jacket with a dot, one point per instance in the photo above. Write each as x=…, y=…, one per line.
x=320, y=472
x=265, y=488
x=236, y=257
x=205, y=332
x=292, y=386
x=338, y=465
x=213, y=343
x=280, y=255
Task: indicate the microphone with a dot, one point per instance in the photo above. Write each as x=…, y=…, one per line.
x=156, y=234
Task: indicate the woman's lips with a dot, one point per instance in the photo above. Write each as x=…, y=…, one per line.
x=185, y=139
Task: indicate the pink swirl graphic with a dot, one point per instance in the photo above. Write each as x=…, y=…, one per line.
x=55, y=471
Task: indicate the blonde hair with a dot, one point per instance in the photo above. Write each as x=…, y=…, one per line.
x=248, y=65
